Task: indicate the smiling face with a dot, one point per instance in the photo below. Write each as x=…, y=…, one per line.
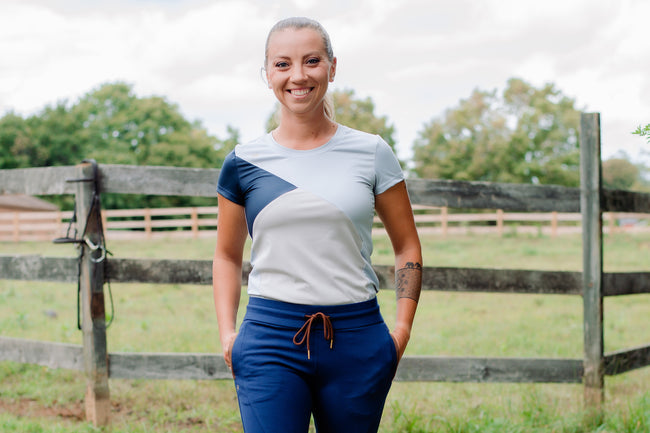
x=298, y=70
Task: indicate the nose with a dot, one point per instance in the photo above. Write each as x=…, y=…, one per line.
x=298, y=73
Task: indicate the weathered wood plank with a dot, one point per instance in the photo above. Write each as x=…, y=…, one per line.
x=443, y=279
x=491, y=280
x=52, y=355
x=195, y=366
x=91, y=289
x=202, y=182
x=626, y=360
x=503, y=281
x=157, y=180
x=625, y=201
x=456, y=369
x=38, y=268
x=626, y=283
x=592, y=258
x=171, y=271
x=419, y=368
x=37, y=181
x=127, y=179
x=159, y=271
x=484, y=195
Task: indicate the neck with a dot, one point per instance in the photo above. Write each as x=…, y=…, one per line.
x=304, y=132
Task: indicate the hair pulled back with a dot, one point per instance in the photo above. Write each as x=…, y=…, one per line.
x=298, y=23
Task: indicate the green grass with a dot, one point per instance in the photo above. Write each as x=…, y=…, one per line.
x=180, y=318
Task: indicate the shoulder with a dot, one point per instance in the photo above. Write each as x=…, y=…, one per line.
x=361, y=140
x=369, y=142
x=256, y=145
x=241, y=153
x=351, y=133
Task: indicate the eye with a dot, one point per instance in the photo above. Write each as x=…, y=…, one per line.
x=313, y=61
x=282, y=65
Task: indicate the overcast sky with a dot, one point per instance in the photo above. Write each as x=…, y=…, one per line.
x=414, y=58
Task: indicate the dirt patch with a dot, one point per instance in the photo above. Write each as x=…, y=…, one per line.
x=75, y=412
x=26, y=407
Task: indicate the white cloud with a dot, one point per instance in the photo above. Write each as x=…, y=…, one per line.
x=415, y=58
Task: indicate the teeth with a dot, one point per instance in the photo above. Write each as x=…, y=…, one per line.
x=300, y=92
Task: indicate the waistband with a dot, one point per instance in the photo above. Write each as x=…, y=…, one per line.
x=290, y=315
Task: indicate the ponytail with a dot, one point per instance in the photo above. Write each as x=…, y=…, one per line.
x=328, y=107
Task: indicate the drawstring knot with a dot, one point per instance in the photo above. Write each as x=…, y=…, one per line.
x=305, y=330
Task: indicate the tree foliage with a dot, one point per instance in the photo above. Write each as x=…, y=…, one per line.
x=619, y=173
x=124, y=129
x=354, y=112
x=643, y=131
x=16, y=144
x=522, y=135
x=113, y=126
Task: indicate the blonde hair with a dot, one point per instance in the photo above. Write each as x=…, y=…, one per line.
x=306, y=23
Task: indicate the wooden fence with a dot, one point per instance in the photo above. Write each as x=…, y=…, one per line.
x=201, y=222
x=92, y=357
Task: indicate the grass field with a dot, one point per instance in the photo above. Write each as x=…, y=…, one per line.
x=180, y=318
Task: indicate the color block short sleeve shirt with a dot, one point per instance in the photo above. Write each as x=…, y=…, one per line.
x=309, y=214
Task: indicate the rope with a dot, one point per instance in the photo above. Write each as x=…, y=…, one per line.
x=328, y=331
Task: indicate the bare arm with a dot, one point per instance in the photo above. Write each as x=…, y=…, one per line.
x=394, y=209
x=227, y=270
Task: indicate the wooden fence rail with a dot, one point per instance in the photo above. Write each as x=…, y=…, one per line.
x=592, y=284
x=199, y=222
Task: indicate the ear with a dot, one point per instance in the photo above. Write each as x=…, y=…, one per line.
x=332, y=70
x=265, y=76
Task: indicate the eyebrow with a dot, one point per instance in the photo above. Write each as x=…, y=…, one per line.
x=310, y=54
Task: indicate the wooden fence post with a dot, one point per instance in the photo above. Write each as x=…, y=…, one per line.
x=592, y=260
x=443, y=219
x=554, y=224
x=195, y=223
x=147, y=222
x=59, y=224
x=16, y=228
x=612, y=222
x=500, y=222
x=91, y=286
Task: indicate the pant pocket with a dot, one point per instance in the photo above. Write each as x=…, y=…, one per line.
x=393, y=352
x=236, y=351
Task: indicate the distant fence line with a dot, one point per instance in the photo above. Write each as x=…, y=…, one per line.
x=198, y=222
x=92, y=269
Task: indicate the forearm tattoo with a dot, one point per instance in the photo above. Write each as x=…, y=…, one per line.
x=408, y=281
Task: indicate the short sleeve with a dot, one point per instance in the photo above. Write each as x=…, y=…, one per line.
x=229, y=184
x=388, y=171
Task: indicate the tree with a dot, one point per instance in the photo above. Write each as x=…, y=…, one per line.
x=122, y=128
x=16, y=143
x=113, y=126
x=523, y=135
x=619, y=173
x=353, y=112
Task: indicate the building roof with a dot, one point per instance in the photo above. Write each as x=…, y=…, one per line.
x=24, y=203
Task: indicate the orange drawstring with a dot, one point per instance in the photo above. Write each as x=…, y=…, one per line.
x=328, y=331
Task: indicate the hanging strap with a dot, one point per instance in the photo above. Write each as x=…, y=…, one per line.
x=95, y=206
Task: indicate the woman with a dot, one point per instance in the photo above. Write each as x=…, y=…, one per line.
x=313, y=340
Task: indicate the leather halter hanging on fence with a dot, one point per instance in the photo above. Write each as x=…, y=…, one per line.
x=84, y=241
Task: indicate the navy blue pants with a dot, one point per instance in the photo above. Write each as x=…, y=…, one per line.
x=284, y=374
